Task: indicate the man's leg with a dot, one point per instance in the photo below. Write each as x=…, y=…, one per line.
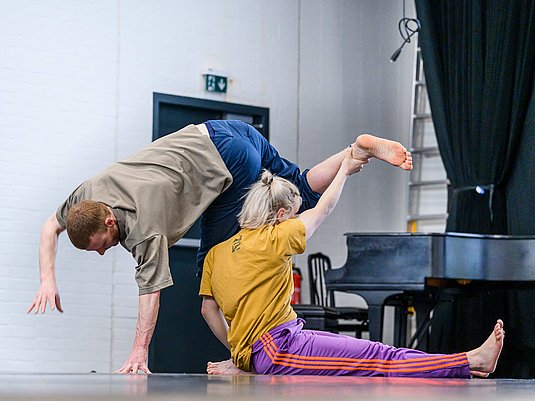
x=365, y=147
x=246, y=152
x=321, y=175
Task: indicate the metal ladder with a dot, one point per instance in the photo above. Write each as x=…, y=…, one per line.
x=428, y=184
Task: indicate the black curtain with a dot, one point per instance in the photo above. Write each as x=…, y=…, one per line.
x=521, y=186
x=479, y=62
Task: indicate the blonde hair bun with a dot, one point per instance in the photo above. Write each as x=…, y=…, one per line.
x=267, y=177
x=265, y=198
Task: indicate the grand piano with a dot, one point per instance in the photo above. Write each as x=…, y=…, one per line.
x=381, y=266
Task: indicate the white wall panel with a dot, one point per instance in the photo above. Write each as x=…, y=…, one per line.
x=76, y=84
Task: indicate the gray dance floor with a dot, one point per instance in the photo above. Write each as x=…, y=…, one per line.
x=248, y=387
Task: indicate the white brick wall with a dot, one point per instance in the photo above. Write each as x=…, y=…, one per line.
x=58, y=67
x=76, y=84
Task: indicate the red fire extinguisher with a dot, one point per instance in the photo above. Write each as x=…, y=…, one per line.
x=296, y=296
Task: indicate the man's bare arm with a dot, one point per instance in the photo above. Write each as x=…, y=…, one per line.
x=48, y=290
x=149, y=305
x=215, y=319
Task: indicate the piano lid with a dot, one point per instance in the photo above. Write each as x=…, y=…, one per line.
x=484, y=257
x=404, y=260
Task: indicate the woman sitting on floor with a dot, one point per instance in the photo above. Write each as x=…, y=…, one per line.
x=247, y=285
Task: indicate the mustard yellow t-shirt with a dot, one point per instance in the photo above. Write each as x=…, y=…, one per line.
x=250, y=277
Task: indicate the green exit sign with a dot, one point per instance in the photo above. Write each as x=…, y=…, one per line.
x=216, y=83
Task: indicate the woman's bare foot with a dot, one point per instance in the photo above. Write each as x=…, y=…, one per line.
x=367, y=146
x=223, y=368
x=482, y=361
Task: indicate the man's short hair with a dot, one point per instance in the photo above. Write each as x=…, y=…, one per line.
x=85, y=219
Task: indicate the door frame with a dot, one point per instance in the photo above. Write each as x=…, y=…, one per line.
x=259, y=114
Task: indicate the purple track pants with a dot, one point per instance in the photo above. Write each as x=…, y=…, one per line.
x=289, y=350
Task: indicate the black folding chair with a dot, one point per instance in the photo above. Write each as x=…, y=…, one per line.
x=318, y=264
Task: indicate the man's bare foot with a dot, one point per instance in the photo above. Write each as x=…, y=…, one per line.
x=367, y=146
x=223, y=368
x=482, y=360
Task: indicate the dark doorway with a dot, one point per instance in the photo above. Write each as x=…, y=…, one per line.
x=170, y=113
x=182, y=341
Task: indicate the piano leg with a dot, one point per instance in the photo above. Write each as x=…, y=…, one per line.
x=424, y=305
x=400, y=321
x=375, y=321
x=375, y=301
